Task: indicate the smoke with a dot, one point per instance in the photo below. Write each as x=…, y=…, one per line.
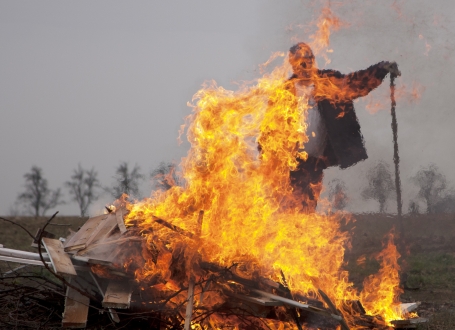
x=419, y=36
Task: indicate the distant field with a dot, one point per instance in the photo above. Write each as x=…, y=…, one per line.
x=428, y=266
x=14, y=237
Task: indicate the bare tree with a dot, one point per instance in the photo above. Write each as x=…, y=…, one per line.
x=432, y=188
x=414, y=207
x=38, y=198
x=83, y=187
x=127, y=182
x=337, y=194
x=165, y=176
x=380, y=185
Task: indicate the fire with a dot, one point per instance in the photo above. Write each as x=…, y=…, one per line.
x=251, y=216
x=377, y=296
x=243, y=146
x=326, y=24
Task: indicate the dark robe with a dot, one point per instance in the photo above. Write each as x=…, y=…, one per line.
x=345, y=145
x=334, y=93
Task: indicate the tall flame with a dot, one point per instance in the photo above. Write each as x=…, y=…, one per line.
x=243, y=146
x=251, y=215
x=377, y=296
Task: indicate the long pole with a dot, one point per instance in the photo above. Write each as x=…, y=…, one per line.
x=396, y=157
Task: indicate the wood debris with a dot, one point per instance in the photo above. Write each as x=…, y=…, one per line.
x=76, y=309
x=100, y=260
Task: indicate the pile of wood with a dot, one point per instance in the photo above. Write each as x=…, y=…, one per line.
x=91, y=264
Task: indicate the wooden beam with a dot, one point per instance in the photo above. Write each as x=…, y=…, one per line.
x=118, y=294
x=120, y=221
x=60, y=260
x=76, y=309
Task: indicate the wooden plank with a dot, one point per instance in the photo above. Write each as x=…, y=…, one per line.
x=112, y=312
x=104, y=228
x=106, y=251
x=79, y=240
x=120, y=221
x=76, y=309
x=60, y=260
x=107, y=231
x=118, y=294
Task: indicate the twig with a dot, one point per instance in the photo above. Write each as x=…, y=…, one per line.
x=17, y=224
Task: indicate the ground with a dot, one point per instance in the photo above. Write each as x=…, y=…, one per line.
x=428, y=260
x=428, y=263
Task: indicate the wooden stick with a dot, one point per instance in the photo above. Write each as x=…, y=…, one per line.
x=174, y=228
x=293, y=311
x=189, y=306
x=296, y=304
x=199, y=223
x=333, y=309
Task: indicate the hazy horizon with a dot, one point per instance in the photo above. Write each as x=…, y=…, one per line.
x=99, y=83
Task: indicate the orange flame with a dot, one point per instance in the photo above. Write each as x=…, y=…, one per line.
x=251, y=214
x=320, y=40
x=252, y=217
x=377, y=296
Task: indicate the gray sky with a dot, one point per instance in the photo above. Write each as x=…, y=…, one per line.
x=98, y=83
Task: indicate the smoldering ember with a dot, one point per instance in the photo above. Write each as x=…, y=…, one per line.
x=239, y=244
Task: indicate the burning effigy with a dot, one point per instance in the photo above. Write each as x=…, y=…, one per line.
x=237, y=245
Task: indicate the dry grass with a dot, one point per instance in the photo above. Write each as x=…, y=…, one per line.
x=14, y=237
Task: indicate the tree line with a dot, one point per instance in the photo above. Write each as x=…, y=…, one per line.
x=84, y=187
x=432, y=186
